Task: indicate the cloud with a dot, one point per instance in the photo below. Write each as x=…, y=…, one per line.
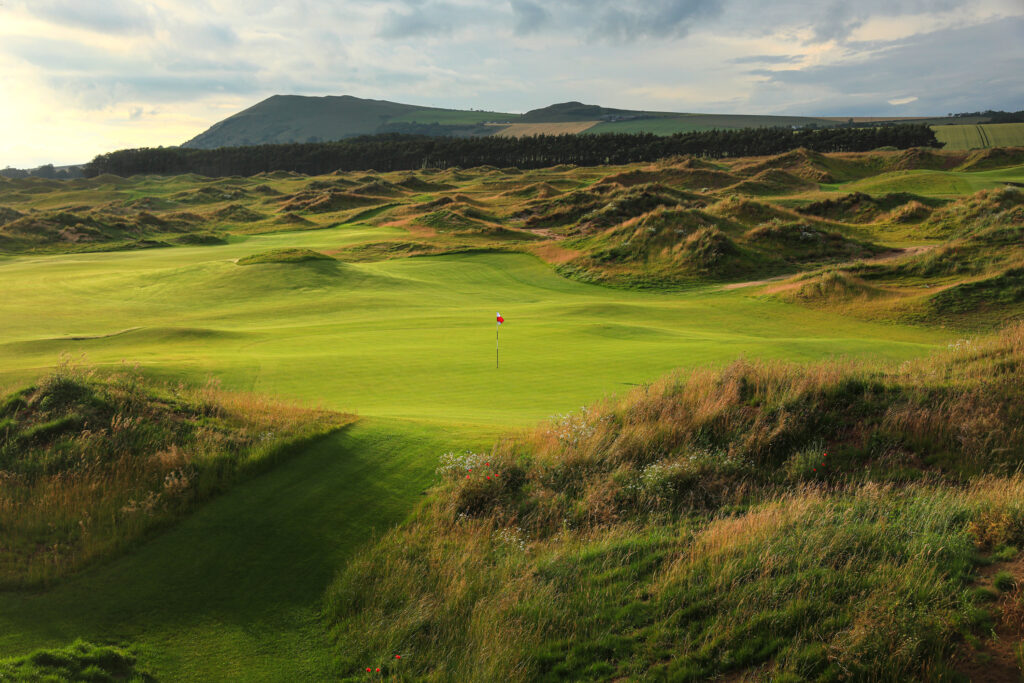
x=614, y=20
x=954, y=69
x=529, y=17
x=108, y=16
x=77, y=64
x=767, y=59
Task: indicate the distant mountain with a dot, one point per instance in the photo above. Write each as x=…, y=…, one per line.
x=294, y=118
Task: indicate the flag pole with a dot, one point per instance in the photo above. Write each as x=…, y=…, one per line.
x=497, y=326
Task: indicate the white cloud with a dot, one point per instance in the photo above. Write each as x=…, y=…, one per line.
x=81, y=78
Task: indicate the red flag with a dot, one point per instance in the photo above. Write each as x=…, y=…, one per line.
x=500, y=319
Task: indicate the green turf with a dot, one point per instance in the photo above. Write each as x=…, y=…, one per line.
x=232, y=591
x=932, y=183
x=408, y=338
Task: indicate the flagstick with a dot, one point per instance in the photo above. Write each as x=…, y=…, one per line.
x=497, y=326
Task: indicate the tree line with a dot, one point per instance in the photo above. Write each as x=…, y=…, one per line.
x=398, y=152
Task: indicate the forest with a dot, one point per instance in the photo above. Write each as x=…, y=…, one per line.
x=397, y=152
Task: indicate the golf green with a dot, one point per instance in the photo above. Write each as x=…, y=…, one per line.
x=406, y=338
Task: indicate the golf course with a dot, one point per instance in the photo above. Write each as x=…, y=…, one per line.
x=387, y=315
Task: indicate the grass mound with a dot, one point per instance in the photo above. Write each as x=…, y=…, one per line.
x=803, y=163
x=998, y=292
x=680, y=177
x=981, y=210
x=800, y=242
x=80, y=661
x=284, y=256
x=858, y=207
x=755, y=521
x=90, y=463
x=773, y=181
x=987, y=159
x=326, y=201
x=238, y=214
x=201, y=239
x=833, y=286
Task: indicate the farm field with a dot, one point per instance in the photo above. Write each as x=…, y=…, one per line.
x=375, y=294
x=981, y=136
x=518, y=130
x=688, y=123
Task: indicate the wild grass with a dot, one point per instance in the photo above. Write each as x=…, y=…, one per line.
x=80, y=661
x=89, y=463
x=788, y=522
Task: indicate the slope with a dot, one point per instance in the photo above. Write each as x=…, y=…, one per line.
x=294, y=118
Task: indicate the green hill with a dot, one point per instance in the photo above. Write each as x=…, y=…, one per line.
x=295, y=118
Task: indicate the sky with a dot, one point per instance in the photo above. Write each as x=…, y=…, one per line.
x=83, y=77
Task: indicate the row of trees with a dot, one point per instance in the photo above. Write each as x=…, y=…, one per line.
x=394, y=152
x=995, y=116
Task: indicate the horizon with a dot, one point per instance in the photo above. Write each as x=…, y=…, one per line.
x=81, y=82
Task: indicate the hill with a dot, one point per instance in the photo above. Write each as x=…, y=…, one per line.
x=294, y=118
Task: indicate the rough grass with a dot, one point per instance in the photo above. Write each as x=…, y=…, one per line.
x=90, y=463
x=788, y=523
x=79, y=661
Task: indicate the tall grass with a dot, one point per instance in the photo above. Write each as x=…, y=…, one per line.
x=791, y=522
x=90, y=463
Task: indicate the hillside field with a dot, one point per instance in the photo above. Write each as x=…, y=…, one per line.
x=981, y=136
x=374, y=295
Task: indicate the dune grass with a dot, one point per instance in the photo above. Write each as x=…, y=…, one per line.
x=760, y=520
x=93, y=463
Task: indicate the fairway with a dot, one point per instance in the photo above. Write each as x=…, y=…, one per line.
x=405, y=338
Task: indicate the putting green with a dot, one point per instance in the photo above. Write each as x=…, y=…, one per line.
x=407, y=338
